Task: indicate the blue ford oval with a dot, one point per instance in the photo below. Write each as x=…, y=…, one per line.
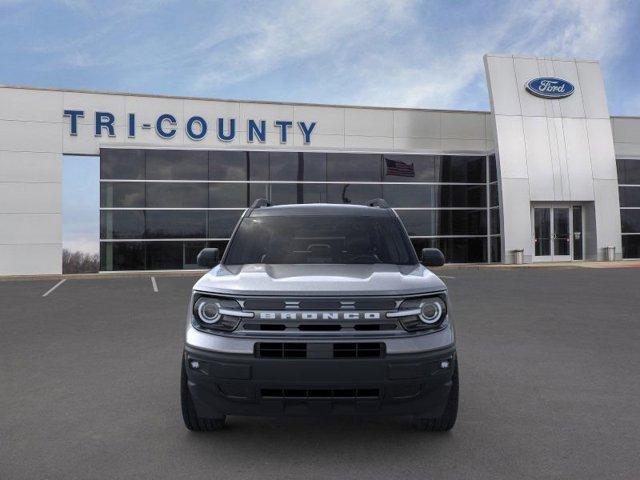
x=550, y=87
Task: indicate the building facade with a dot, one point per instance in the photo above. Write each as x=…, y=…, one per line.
x=546, y=175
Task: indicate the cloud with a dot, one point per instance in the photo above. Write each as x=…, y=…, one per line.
x=387, y=52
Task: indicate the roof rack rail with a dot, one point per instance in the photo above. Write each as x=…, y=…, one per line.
x=378, y=202
x=260, y=202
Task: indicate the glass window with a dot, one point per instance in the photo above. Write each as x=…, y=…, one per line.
x=177, y=195
x=222, y=222
x=167, y=255
x=407, y=196
x=353, y=167
x=631, y=246
x=191, y=251
x=228, y=195
x=122, y=163
x=228, y=165
x=128, y=195
x=176, y=224
x=122, y=256
x=629, y=196
x=357, y=194
x=494, y=199
x=320, y=239
x=258, y=190
x=285, y=166
x=314, y=193
x=409, y=168
x=427, y=223
x=177, y=165
x=458, y=195
x=630, y=221
x=495, y=220
x=496, y=249
x=456, y=250
x=460, y=169
x=314, y=167
x=493, y=169
x=628, y=171
x=121, y=224
x=258, y=165
x=286, y=193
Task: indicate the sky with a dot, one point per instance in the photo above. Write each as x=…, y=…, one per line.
x=400, y=53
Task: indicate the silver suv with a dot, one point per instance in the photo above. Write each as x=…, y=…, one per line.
x=319, y=309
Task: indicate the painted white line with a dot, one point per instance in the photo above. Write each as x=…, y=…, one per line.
x=154, y=284
x=444, y=276
x=54, y=287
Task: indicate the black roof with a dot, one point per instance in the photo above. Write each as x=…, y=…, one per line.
x=320, y=209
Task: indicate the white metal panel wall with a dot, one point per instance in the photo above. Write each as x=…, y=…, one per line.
x=626, y=136
x=30, y=182
x=563, y=148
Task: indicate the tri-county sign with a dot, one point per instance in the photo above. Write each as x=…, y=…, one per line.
x=196, y=127
x=549, y=87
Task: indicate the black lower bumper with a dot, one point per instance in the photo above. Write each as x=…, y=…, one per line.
x=229, y=384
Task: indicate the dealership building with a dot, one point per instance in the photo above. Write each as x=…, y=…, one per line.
x=546, y=175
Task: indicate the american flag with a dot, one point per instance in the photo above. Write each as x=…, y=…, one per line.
x=399, y=169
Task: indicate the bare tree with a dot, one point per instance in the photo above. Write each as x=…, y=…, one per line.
x=80, y=262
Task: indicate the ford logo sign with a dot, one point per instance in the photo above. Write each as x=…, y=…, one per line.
x=549, y=87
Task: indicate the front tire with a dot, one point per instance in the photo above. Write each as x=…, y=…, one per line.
x=191, y=419
x=447, y=420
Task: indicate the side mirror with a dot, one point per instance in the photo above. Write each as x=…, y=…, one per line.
x=208, y=257
x=432, y=257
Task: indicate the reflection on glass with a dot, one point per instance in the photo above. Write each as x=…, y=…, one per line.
x=125, y=164
x=177, y=195
x=122, y=224
x=222, y=222
x=356, y=194
x=176, y=224
x=630, y=221
x=128, y=195
x=228, y=165
x=354, y=167
x=177, y=165
x=628, y=171
x=228, y=195
x=577, y=232
x=284, y=166
x=561, y=235
x=629, y=196
x=542, y=229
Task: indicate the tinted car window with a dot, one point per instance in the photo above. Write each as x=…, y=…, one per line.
x=317, y=239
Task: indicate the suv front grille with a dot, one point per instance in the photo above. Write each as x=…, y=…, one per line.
x=319, y=350
x=308, y=393
x=319, y=304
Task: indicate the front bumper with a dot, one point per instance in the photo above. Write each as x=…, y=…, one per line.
x=240, y=384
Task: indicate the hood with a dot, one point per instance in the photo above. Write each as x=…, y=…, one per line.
x=334, y=280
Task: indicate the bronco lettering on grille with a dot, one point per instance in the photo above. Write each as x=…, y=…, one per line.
x=319, y=315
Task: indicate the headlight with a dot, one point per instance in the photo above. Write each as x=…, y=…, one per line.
x=208, y=310
x=210, y=313
x=431, y=310
x=421, y=313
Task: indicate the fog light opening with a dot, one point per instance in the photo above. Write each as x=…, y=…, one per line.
x=194, y=364
x=444, y=364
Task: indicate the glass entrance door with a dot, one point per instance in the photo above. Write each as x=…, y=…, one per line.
x=561, y=250
x=557, y=232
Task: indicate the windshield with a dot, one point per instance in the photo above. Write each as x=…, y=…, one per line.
x=302, y=239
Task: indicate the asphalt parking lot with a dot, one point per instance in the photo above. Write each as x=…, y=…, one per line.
x=549, y=367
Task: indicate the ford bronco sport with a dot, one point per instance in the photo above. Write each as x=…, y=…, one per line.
x=319, y=309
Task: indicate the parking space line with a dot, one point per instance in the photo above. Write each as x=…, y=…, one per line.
x=444, y=276
x=54, y=287
x=154, y=284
